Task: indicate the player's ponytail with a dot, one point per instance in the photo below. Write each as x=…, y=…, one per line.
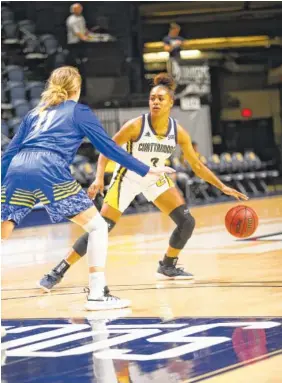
x=164, y=79
x=63, y=83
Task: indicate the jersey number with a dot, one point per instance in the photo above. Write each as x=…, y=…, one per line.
x=44, y=122
x=154, y=161
x=161, y=181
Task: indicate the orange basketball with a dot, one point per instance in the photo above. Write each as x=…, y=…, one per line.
x=241, y=221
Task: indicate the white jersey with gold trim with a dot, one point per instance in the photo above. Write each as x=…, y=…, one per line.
x=151, y=149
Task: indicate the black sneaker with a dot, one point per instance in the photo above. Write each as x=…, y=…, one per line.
x=49, y=281
x=172, y=272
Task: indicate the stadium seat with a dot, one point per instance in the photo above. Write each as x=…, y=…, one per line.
x=4, y=142
x=225, y=168
x=211, y=191
x=34, y=89
x=10, y=33
x=59, y=59
x=238, y=169
x=27, y=27
x=16, y=91
x=253, y=161
x=257, y=167
x=7, y=14
x=14, y=125
x=4, y=128
x=49, y=43
x=34, y=102
x=21, y=108
x=14, y=73
x=3, y=95
x=31, y=48
x=214, y=163
x=225, y=163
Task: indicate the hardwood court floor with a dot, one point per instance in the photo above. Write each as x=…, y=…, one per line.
x=232, y=278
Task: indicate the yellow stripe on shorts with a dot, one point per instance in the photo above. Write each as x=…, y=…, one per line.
x=112, y=197
x=43, y=199
x=169, y=181
x=21, y=203
x=58, y=193
x=3, y=194
x=65, y=195
x=64, y=186
x=22, y=197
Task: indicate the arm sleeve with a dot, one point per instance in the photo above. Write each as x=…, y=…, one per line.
x=91, y=127
x=13, y=149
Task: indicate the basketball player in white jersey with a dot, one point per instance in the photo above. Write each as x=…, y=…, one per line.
x=151, y=138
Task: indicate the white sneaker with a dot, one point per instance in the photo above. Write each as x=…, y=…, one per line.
x=106, y=302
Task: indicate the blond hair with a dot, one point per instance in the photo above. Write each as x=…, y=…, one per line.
x=63, y=83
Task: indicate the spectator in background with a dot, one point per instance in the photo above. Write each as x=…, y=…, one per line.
x=77, y=35
x=172, y=44
x=76, y=25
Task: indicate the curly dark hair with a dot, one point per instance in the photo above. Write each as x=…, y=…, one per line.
x=164, y=79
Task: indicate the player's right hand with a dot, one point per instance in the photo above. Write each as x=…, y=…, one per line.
x=234, y=193
x=159, y=170
x=96, y=187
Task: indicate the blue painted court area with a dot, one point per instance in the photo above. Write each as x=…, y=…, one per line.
x=134, y=349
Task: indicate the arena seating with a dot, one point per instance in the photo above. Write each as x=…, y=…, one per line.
x=27, y=59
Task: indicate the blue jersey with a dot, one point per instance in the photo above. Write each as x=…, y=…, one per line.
x=61, y=129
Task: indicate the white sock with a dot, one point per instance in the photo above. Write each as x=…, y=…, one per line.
x=97, y=282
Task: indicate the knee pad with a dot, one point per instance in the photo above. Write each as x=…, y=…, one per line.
x=80, y=246
x=96, y=223
x=185, y=227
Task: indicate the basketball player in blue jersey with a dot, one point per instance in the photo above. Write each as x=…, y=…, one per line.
x=36, y=167
x=152, y=139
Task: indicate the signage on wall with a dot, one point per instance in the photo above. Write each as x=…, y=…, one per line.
x=193, y=83
x=190, y=103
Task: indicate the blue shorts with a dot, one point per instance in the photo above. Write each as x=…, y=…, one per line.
x=41, y=176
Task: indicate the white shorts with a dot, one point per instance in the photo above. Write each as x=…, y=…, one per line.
x=123, y=190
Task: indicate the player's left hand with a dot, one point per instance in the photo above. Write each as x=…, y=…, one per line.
x=234, y=193
x=96, y=187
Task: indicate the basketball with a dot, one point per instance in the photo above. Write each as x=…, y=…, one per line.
x=241, y=221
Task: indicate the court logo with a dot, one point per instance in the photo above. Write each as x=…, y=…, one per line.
x=147, y=349
x=124, y=341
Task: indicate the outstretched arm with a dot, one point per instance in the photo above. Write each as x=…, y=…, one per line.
x=92, y=128
x=128, y=132
x=199, y=168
